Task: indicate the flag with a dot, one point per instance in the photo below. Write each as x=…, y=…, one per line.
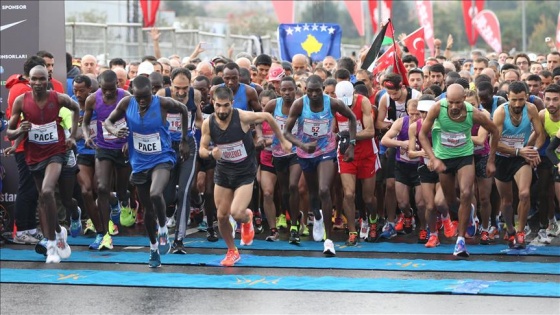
x=284, y=11
x=469, y=12
x=375, y=11
x=425, y=17
x=383, y=62
x=398, y=65
x=313, y=40
x=415, y=44
x=149, y=11
x=375, y=48
x=488, y=26
x=357, y=14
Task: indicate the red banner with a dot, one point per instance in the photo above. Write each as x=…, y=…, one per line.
x=415, y=44
x=558, y=33
x=384, y=61
x=149, y=11
x=425, y=17
x=284, y=11
x=488, y=26
x=469, y=12
x=386, y=10
x=357, y=14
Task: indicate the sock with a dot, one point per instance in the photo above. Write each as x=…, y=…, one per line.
x=433, y=234
x=274, y=230
x=484, y=230
x=20, y=233
x=32, y=231
x=58, y=235
x=550, y=221
x=154, y=246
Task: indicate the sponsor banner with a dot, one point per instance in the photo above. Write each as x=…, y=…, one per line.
x=426, y=19
x=470, y=10
x=488, y=26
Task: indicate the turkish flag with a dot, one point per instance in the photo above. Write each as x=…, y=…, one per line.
x=426, y=19
x=284, y=11
x=149, y=11
x=415, y=44
x=488, y=26
x=386, y=10
x=469, y=12
x=383, y=62
x=357, y=14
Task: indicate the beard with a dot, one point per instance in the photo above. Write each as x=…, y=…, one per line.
x=222, y=116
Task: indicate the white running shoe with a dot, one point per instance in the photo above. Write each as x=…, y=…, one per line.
x=52, y=255
x=170, y=222
x=543, y=237
x=319, y=228
x=62, y=246
x=233, y=226
x=329, y=248
x=364, y=229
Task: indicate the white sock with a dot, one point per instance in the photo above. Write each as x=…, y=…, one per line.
x=163, y=229
x=460, y=238
x=154, y=246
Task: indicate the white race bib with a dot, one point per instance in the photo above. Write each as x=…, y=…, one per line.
x=147, y=144
x=345, y=125
x=453, y=139
x=43, y=134
x=315, y=128
x=478, y=147
x=513, y=142
x=174, y=121
x=93, y=128
x=118, y=125
x=281, y=121
x=233, y=152
x=405, y=157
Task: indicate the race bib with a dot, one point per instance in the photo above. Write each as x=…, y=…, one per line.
x=71, y=159
x=268, y=137
x=345, y=125
x=478, y=148
x=119, y=124
x=315, y=128
x=405, y=157
x=281, y=121
x=515, y=142
x=43, y=134
x=174, y=121
x=453, y=139
x=147, y=144
x=93, y=128
x=233, y=152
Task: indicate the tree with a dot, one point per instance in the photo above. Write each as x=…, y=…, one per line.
x=185, y=8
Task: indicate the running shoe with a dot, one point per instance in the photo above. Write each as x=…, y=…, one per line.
x=303, y=230
x=258, y=223
x=113, y=228
x=178, y=247
x=128, y=217
x=41, y=247
x=552, y=229
x=352, y=239
x=211, y=235
x=494, y=233
x=294, y=237
x=116, y=213
x=461, y=249
x=232, y=257
x=233, y=226
x=202, y=226
x=107, y=242
x=248, y=230
x=422, y=236
x=274, y=236
x=408, y=224
x=53, y=256
x=318, y=228
x=64, y=250
x=472, y=227
x=439, y=223
x=520, y=240
x=163, y=243
x=139, y=217
x=76, y=225
x=543, y=237
x=170, y=222
x=97, y=243
x=449, y=229
x=90, y=228
x=511, y=239
x=282, y=224
x=484, y=238
x=155, y=259
x=372, y=232
x=399, y=226
x=433, y=241
x=527, y=230
x=328, y=248
x=364, y=229
x=388, y=231
x=25, y=238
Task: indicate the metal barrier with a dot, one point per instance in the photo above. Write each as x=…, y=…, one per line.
x=131, y=41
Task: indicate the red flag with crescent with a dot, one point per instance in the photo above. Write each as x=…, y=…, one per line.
x=149, y=11
x=415, y=44
x=469, y=12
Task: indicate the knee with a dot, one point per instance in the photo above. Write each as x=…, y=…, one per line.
x=466, y=193
x=484, y=200
x=47, y=194
x=103, y=189
x=156, y=198
x=390, y=185
x=268, y=194
x=349, y=194
x=524, y=195
x=324, y=193
x=293, y=189
x=222, y=216
x=403, y=204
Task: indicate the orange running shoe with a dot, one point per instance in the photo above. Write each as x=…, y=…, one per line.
x=449, y=229
x=232, y=257
x=520, y=240
x=399, y=226
x=247, y=230
x=433, y=241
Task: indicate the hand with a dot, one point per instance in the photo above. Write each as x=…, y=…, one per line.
x=24, y=127
x=528, y=153
x=198, y=49
x=125, y=149
x=230, y=50
x=401, y=37
x=184, y=150
x=349, y=154
x=404, y=145
x=490, y=169
x=287, y=146
x=9, y=150
x=261, y=143
x=70, y=143
x=310, y=147
x=80, y=121
x=123, y=132
x=437, y=43
x=155, y=34
x=217, y=153
x=436, y=165
x=90, y=143
x=449, y=41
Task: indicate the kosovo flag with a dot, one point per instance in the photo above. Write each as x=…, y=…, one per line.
x=313, y=40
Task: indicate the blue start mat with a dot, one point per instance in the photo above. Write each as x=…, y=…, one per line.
x=256, y=282
x=382, y=247
x=299, y=262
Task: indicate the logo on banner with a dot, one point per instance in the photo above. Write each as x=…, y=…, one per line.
x=7, y=26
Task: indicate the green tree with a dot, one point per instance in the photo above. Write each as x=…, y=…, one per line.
x=185, y=8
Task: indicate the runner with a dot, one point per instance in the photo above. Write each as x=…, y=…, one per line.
x=452, y=154
x=228, y=129
x=151, y=154
x=316, y=150
x=45, y=152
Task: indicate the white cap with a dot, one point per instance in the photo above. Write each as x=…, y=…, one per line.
x=145, y=67
x=345, y=92
x=425, y=105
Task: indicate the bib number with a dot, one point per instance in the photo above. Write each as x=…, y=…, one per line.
x=147, y=144
x=93, y=128
x=118, y=125
x=315, y=128
x=233, y=152
x=453, y=139
x=174, y=121
x=43, y=134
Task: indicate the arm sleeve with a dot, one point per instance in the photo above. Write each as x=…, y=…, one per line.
x=550, y=150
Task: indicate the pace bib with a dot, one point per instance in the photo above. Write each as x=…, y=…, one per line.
x=43, y=134
x=93, y=128
x=281, y=121
x=147, y=144
x=345, y=125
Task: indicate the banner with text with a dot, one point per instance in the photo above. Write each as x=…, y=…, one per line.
x=426, y=19
x=488, y=26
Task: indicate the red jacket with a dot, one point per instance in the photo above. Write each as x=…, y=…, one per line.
x=17, y=86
